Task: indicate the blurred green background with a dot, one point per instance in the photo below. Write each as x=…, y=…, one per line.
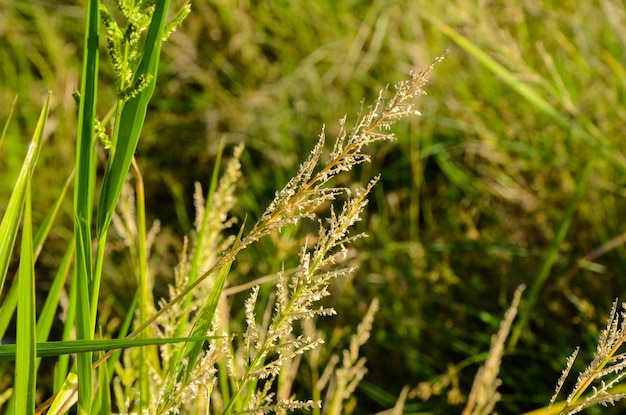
x=473, y=192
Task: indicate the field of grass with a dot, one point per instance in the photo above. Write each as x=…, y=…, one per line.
x=514, y=173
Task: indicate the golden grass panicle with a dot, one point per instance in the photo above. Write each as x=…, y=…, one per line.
x=296, y=298
x=342, y=381
x=606, y=370
x=210, y=224
x=484, y=394
x=268, y=350
x=305, y=192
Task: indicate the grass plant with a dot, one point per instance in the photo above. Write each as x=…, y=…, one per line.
x=183, y=373
x=512, y=177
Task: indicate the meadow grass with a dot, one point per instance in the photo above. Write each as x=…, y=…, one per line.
x=513, y=175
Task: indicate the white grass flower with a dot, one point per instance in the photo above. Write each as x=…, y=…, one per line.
x=484, y=394
x=605, y=371
x=243, y=379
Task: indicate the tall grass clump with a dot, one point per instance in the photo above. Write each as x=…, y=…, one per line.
x=199, y=364
x=512, y=177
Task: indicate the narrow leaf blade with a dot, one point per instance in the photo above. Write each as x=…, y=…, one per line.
x=131, y=121
x=25, y=368
x=13, y=213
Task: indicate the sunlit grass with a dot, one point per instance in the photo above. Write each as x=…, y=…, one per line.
x=513, y=174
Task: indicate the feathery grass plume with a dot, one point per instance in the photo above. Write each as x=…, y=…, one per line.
x=252, y=370
x=130, y=224
x=266, y=352
x=209, y=238
x=344, y=380
x=305, y=192
x=559, y=385
x=212, y=216
x=484, y=394
x=606, y=370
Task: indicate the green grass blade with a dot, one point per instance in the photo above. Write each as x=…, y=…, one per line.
x=131, y=121
x=148, y=356
x=7, y=309
x=205, y=318
x=123, y=331
x=25, y=367
x=10, y=301
x=63, y=395
x=13, y=213
x=48, y=311
x=195, y=262
x=83, y=324
x=83, y=200
x=8, y=121
x=553, y=250
x=59, y=348
x=103, y=392
x=63, y=362
x=501, y=72
x=46, y=225
x=177, y=190
x=590, y=134
x=195, y=271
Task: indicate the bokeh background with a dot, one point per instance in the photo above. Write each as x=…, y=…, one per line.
x=473, y=193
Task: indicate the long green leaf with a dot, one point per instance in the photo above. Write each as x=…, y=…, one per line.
x=58, y=348
x=148, y=356
x=48, y=311
x=131, y=121
x=204, y=319
x=198, y=249
x=46, y=225
x=63, y=371
x=586, y=132
x=103, y=392
x=552, y=254
x=8, y=121
x=25, y=367
x=10, y=301
x=83, y=200
x=13, y=213
x=66, y=395
x=83, y=326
